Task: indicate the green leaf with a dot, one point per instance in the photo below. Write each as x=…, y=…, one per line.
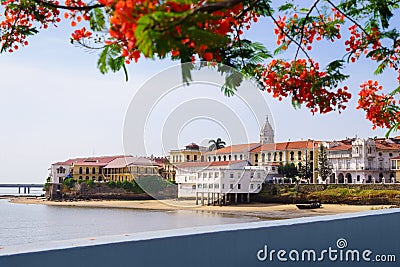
x=97, y=20
x=286, y=7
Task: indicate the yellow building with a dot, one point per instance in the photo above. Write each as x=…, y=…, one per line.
x=91, y=168
x=299, y=153
x=130, y=168
x=191, y=153
x=395, y=166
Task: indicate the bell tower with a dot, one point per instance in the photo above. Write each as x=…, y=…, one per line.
x=267, y=133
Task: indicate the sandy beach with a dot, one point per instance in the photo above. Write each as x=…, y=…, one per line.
x=259, y=210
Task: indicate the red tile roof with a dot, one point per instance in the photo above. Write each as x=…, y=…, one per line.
x=234, y=149
x=307, y=144
x=89, y=161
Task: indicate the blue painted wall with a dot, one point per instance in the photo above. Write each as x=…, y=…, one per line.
x=229, y=245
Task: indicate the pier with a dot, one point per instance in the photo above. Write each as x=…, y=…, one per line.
x=26, y=187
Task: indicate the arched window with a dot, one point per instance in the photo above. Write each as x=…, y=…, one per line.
x=93, y=170
x=269, y=156
x=235, y=156
x=291, y=155
x=194, y=157
x=209, y=158
x=241, y=157
x=87, y=178
x=280, y=156
x=87, y=170
x=219, y=158
x=274, y=156
x=299, y=155
x=311, y=155
x=263, y=157
x=215, y=158
x=80, y=170
x=224, y=157
x=230, y=156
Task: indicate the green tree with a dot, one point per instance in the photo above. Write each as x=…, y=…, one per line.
x=289, y=170
x=216, y=144
x=305, y=170
x=324, y=166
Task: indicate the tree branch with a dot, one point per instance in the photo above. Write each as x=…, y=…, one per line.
x=302, y=26
x=78, y=8
x=288, y=36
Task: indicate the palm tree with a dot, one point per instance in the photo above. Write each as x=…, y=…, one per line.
x=216, y=144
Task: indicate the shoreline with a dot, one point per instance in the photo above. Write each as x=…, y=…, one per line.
x=263, y=211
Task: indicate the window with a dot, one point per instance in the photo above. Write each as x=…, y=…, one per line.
x=223, y=186
x=390, y=154
x=215, y=158
x=274, y=156
x=235, y=157
x=100, y=178
x=291, y=155
x=231, y=175
x=312, y=155
x=231, y=186
x=239, y=186
x=258, y=175
x=230, y=157
x=199, y=186
x=199, y=175
x=251, y=186
x=187, y=157
x=194, y=157
x=87, y=170
x=380, y=154
x=263, y=157
x=216, y=175
x=204, y=175
x=209, y=158
x=210, y=186
x=219, y=158
x=280, y=156
x=87, y=178
x=100, y=170
x=93, y=170
x=255, y=157
x=194, y=187
x=269, y=156
x=224, y=157
x=210, y=175
x=80, y=170
x=241, y=156
x=299, y=155
x=347, y=164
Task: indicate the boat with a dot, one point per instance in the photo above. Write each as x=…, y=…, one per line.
x=313, y=205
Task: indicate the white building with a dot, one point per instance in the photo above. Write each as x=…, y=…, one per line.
x=59, y=171
x=219, y=180
x=357, y=161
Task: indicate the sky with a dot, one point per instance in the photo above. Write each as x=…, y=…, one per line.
x=57, y=105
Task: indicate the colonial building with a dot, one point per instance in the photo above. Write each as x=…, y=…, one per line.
x=191, y=153
x=129, y=168
x=219, y=179
x=363, y=160
x=91, y=168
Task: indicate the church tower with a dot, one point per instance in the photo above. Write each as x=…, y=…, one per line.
x=267, y=133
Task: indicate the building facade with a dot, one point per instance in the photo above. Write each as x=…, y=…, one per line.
x=358, y=161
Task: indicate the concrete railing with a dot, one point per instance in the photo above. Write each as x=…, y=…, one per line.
x=358, y=239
